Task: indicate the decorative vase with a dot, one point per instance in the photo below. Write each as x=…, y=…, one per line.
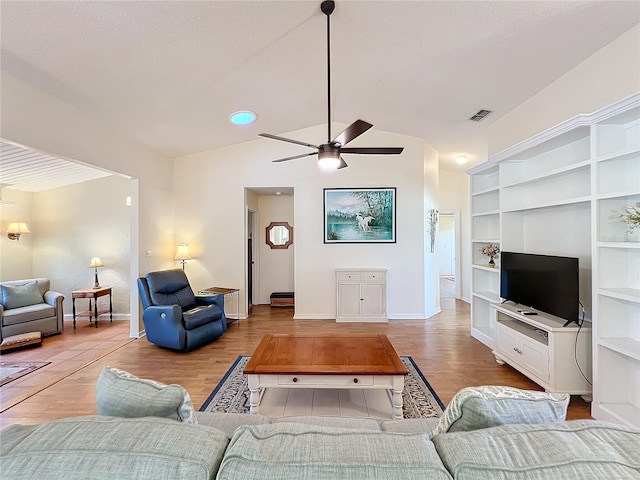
x=492, y=264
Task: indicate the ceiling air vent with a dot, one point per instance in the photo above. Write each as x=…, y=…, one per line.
x=480, y=115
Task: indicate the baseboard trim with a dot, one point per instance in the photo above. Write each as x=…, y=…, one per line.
x=68, y=317
x=326, y=316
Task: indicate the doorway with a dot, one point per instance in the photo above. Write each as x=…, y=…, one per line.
x=251, y=258
x=449, y=253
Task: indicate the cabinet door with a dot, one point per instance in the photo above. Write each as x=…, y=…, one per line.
x=349, y=300
x=373, y=301
x=536, y=359
x=508, y=343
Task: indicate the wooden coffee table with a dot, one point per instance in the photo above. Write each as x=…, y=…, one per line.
x=326, y=361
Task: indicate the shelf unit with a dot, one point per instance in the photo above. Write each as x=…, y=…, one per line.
x=561, y=193
x=616, y=280
x=485, y=228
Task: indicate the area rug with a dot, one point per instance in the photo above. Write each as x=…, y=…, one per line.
x=10, y=371
x=232, y=393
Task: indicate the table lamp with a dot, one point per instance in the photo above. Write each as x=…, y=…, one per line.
x=95, y=263
x=183, y=254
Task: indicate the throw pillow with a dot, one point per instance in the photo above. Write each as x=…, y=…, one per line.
x=473, y=408
x=16, y=296
x=121, y=394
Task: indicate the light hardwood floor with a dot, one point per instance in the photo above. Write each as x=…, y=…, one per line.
x=441, y=346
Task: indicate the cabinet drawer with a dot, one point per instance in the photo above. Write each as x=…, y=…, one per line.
x=372, y=276
x=529, y=354
x=349, y=276
x=325, y=380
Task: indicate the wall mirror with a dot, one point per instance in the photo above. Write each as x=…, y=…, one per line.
x=279, y=235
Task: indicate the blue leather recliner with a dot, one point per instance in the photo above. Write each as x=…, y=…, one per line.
x=174, y=317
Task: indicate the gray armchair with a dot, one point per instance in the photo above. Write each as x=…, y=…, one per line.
x=174, y=317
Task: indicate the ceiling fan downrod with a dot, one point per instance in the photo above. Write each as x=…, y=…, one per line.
x=327, y=8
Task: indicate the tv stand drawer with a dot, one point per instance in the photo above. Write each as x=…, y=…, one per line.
x=529, y=354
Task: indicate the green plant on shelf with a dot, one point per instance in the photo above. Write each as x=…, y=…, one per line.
x=631, y=216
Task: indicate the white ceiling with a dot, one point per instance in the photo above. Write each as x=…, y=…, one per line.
x=169, y=73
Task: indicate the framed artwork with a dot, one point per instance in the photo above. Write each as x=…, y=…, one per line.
x=360, y=215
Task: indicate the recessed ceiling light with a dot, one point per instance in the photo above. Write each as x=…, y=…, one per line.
x=244, y=117
x=461, y=159
x=278, y=193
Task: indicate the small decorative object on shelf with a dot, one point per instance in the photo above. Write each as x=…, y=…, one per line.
x=631, y=216
x=491, y=251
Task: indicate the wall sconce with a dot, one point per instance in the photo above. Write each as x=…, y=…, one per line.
x=16, y=229
x=183, y=254
x=95, y=263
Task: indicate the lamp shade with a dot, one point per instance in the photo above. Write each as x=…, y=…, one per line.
x=95, y=263
x=183, y=252
x=18, y=227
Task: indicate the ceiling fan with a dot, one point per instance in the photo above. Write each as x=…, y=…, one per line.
x=329, y=154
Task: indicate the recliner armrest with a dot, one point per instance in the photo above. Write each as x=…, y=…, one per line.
x=163, y=315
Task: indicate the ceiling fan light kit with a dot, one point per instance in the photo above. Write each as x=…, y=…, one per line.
x=330, y=153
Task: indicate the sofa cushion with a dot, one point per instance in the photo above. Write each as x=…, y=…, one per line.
x=580, y=449
x=342, y=422
x=201, y=315
x=109, y=448
x=305, y=452
x=27, y=314
x=15, y=296
x=409, y=425
x=488, y=406
x=228, y=422
x=121, y=394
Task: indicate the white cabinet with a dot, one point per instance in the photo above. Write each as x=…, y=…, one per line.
x=556, y=357
x=561, y=193
x=361, y=295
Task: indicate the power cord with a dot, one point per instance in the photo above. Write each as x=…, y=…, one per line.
x=575, y=346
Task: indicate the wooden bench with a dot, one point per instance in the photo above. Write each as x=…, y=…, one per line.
x=282, y=299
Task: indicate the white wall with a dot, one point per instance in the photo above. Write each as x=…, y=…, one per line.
x=210, y=204
x=16, y=256
x=276, y=265
x=454, y=194
x=76, y=223
x=430, y=186
x=609, y=75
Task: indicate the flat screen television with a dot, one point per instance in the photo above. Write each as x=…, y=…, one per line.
x=541, y=282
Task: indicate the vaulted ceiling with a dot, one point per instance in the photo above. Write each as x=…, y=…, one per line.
x=169, y=73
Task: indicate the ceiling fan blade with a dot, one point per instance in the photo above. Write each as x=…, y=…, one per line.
x=295, y=156
x=373, y=150
x=354, y=130
x=282, y=139
x=343, y=164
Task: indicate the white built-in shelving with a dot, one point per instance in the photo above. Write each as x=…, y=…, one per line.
x=561, y=193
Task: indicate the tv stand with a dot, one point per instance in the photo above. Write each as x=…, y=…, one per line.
x=541, y=348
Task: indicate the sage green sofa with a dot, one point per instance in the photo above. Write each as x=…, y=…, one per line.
x=242, y=446
x=30, y=306
x=147, y=430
